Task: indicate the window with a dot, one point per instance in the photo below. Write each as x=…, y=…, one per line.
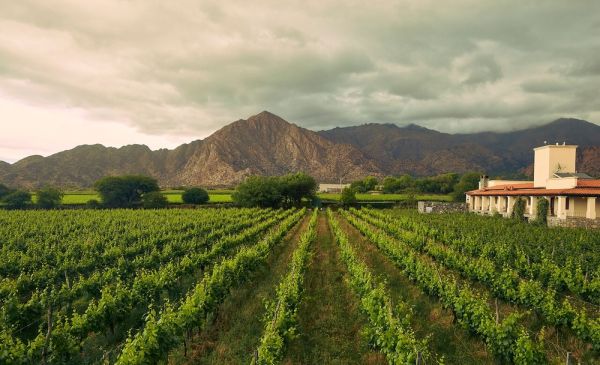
x=567, y=204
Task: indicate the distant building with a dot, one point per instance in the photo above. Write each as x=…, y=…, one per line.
x=573, y=196
x=332, y=188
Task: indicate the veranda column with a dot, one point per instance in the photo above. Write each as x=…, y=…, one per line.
x=591, y=208
x=561, y=211
x=500, y=206
x=511, y=204
x=492, y=207
x=533, y=207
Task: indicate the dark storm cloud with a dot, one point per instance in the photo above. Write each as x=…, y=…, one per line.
x=188, y=67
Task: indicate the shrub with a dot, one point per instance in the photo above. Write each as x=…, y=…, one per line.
x=49, y=198
x=124, y=191
x=154, y=200
x=258, y=191
x=272, y=192
x=542, y=211
x=17, y=199
x=93, y=204
x=467, y=182
x=518, y=212
x=348, y=197
x=195, y=196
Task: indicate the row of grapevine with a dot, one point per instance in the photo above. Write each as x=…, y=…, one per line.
x=79, y=241
x=146, y=259
x=505, y=284
x=280, y=320
x=561, y=259
x=507, y=339
x=388, y=327
x=15, y=313
x=166, y=330
x=61, y=337
x=156, y=243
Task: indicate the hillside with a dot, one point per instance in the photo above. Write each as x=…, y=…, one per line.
x=266, y=144
x=422, y=151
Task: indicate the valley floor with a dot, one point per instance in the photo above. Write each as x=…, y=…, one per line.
x=229, y=286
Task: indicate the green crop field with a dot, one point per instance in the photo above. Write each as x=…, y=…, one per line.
x=224, y=196
x=264, y=286
x=173, y=196
x=387, y=197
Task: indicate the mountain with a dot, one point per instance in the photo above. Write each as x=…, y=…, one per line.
x=421, y=151
x=265, y=144
x=4, y=167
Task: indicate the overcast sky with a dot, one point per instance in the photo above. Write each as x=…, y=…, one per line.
x=167, y=72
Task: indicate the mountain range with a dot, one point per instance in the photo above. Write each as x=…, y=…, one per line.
x=265, y=144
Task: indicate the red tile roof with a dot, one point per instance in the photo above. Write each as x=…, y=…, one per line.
x=588, y=183
x=511, y=186
x=584, y=187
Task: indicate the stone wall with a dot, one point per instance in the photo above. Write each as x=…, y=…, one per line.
x=574, y=222
x=441, y=207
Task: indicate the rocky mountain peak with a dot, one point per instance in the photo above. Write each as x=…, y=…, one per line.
x=266, y=144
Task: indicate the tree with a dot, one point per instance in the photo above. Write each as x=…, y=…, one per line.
x=283, y=191
x=154, y=200
x=370, y=182
x=348, y=197
x=49, y=198
x=294, y=187
x=258, y=191
x=358, y=186
x=397, y=185
x=467, y=182
x=18, y=199
x=124, y=191
x=542, y=211
x=440, y=184
x=367, y=184
x=195, y=196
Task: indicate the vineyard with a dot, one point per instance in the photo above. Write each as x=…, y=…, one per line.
x=263, y=286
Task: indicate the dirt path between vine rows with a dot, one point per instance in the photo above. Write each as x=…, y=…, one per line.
x=235, y=332
x=330, y=322
x=430, y=318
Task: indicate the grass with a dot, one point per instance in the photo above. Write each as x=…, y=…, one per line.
x=387, y=197
x=452, y=341
x=235, y=332
x=224, y=196
x=329, y=319
x=173, y=196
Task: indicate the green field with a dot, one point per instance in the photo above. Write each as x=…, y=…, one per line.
x=173, y=196
x=224, y=196
x=387, y=197
x=263, y=286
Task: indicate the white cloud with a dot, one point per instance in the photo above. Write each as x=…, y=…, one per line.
x=179, y=70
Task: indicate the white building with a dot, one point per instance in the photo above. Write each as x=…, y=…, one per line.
x=332, y=188
x=572, y=195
